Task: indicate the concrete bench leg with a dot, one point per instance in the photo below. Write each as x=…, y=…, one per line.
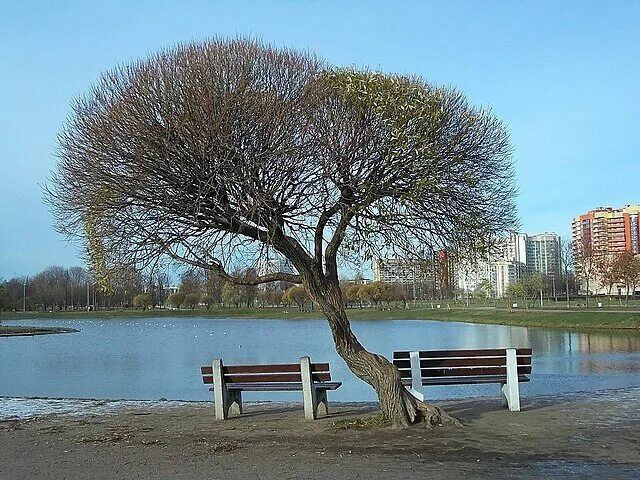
x=235, y=402
x=323, y=404
x=220, y=392
x=309, y=393
x=416, y=376
x=510, y=391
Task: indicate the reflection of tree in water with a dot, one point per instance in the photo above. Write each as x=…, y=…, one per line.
x=581, y=342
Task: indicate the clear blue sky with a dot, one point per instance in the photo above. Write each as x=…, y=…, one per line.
x=564, y=76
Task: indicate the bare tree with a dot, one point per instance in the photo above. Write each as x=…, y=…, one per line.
x=586, y=259
x=567, y=265
x=191, y=281
x=609, y=272
x=628, y=267
x=218, y=152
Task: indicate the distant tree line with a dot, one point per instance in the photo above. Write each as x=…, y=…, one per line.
x=59, y=288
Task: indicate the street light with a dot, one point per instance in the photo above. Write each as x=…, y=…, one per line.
x=24, y=295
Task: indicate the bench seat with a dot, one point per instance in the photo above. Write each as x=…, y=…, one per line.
x=229, y=381
x=465, y=380
x=505, y=366
x=282, y=386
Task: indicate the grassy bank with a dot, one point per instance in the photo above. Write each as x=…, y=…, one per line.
x=575, y=318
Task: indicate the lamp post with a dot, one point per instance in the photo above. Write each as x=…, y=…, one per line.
x=24, y=295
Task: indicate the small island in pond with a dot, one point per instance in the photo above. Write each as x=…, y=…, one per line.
x=22, y=331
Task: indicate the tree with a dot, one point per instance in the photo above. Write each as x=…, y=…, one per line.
x=4, y=298
x=298, y=295
x=586, y=259
x=192, y=300
x=78, y=279
x=213, y=285
x=609, y=272
x=537, y=283
x=158, y=282
x=486, y=286
x=370, y=293
x=191, y=281
x=351, y=293
x=628, y=266
x=567, y=264
x=212, y=152
x=480, y=294
x=276, y=297
x=124, y=283
x=142, y=300
x=176, y=299
x=516, y=290
x=400, y=293
x=232, y=294
x=207, y=300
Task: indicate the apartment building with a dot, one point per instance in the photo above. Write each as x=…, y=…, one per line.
x=432, y=277
x=398, y=270
x=608, y=230
x=605, y=231
x=516, y=255
x=544, y=254
x=274, y=265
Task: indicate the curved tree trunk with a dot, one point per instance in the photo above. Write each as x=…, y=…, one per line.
x=402, y=408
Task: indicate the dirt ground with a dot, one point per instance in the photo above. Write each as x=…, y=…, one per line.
x=595, y=436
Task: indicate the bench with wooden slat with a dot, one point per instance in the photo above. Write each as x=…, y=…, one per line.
x=229, y=381
x=506, y=366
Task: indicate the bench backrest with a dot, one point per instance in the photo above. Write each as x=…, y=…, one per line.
x=463, y=363
x=270, y=373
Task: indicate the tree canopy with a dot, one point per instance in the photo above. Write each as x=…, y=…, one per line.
x=212, y=150
x=216, y=152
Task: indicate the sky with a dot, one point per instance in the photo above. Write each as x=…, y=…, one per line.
x=563, y=76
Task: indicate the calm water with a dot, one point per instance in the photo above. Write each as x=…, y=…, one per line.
x=153, y=358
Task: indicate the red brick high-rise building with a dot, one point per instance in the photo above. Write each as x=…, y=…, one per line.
x=607, y=230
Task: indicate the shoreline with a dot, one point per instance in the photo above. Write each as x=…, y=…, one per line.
x=594, y=436
x=570, y=319
x=81, y=406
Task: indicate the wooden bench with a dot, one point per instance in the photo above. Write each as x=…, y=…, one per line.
x=505, y=366
x=229, y=381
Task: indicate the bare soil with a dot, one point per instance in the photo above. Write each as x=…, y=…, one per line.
x=596, y=436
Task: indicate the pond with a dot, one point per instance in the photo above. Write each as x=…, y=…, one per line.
x=159, y=358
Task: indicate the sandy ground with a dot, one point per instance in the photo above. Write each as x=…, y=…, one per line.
x=570, y=437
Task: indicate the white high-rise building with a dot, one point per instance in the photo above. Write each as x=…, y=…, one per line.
x=516, y=255
x=273, y=265
x=397, y=270
x=544, y=254
x=472, y=275
x=513, y=248
x=507, y=272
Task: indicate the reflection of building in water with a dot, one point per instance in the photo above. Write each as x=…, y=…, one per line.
x=516, y=337
x=578, y=342
x=549, y=341
x=603, y=343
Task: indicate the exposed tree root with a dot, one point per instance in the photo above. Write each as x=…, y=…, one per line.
x=424, y=414
x=431, y=416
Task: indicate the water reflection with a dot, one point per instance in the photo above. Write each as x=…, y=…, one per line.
x=542, y=340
